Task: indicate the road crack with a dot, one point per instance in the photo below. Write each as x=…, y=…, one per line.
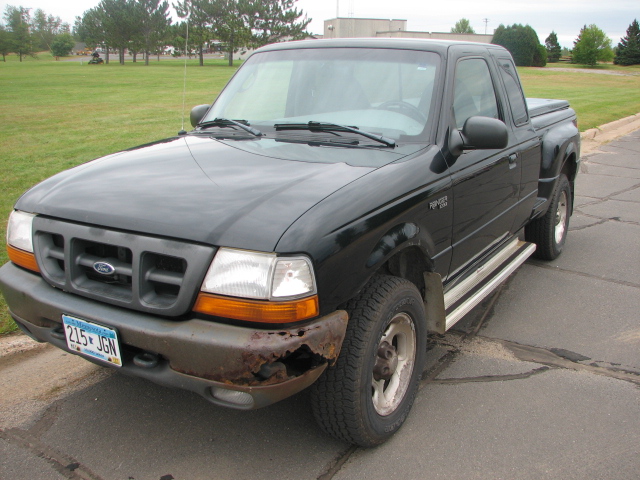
x=65, y=465
x=584, y=227
x=544, y=356
x=535, y=263
x=337, y=463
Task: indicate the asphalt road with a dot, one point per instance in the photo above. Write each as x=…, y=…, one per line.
x=542, y=381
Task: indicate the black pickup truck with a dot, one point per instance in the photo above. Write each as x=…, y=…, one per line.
x=337, y=203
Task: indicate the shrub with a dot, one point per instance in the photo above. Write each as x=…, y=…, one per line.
x=522, y=42
x=62, y=45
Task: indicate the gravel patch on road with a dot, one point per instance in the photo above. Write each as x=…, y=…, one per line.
x=18, y=343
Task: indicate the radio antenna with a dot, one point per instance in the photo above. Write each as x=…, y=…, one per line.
x=184, y=86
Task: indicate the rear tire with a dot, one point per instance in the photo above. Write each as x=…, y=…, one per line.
x=549, y=232
x=366, y=396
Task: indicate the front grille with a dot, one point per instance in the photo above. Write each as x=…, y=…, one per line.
x=140, y=272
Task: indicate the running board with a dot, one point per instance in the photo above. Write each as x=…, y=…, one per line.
x=478, y=285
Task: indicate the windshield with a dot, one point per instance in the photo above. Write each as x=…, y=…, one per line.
x=381, y=91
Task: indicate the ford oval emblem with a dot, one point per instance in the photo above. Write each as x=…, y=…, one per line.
x=104, y=268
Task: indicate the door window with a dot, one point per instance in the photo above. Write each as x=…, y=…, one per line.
x=474, y=94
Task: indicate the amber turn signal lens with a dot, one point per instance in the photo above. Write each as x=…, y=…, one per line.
x=22, y=258
x=257, y=311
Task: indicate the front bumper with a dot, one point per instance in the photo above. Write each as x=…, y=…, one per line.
x=212, y=359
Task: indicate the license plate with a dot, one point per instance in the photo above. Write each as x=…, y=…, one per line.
x=92, y=340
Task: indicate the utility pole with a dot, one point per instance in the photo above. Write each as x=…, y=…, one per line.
x=486, y=21
x=337, y=8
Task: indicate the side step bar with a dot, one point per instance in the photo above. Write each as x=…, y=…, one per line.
x=461, y=298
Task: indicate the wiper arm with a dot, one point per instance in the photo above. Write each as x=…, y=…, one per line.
x=225, y=122
x=334, y=127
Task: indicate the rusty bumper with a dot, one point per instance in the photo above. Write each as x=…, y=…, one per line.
x=229, y=365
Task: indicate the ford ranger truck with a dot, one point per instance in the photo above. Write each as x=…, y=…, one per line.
x=337, y=203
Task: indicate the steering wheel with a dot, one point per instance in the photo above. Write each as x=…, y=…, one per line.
x=405, y=108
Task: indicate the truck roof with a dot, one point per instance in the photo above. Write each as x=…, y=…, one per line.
x=439, y=46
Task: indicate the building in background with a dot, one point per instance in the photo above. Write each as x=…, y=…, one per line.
x=375, y=27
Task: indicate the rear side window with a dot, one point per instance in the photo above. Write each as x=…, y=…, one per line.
x=514, y=92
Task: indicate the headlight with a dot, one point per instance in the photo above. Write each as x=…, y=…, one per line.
x=261, y=276
x=19, y=230
x=20, y=240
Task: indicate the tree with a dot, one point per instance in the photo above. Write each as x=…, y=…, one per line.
x=45, y=28
x=119, y=23
x=275, y=20
x=90, y=29
x=62, y=44
x=154, y=21
x=628, y=51
x=5, y=43
x=523, y=43
x=592, y=46
x=230, y=24
x=18, y=23
x=554, y=51
x=463, y=26
x=243, y=23
x=199, y=20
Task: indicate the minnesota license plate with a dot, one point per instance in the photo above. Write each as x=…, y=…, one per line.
x=92, y=340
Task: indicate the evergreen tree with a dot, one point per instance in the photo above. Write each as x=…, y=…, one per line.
x=592, y=46
x=275, y=20
x=153, y=23
x=18, y=22
x=245, y=23
x=628, y=51
x=198, y=25
x=119, y=23
x=5, y=43
x=90, y=29
x=554, y=51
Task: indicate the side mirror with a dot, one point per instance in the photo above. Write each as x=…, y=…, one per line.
x=479, y=133
x=197, y=113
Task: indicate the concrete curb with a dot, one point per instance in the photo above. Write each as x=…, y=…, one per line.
x=595, y=137
x=607, y=127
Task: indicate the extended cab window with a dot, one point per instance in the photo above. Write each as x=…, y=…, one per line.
x=514, y=92
x=474, y=94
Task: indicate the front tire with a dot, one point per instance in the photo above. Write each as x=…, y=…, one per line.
x=549, y=232
x=366, y=396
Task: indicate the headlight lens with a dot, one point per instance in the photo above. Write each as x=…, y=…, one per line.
x=19, y=230
x=261, y=276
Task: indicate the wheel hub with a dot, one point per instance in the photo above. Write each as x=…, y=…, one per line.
x=562, y=214
x=386, y=362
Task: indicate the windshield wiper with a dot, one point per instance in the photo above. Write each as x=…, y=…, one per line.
x=225, y=122
x=334, y=127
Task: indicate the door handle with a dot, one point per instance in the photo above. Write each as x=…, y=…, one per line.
x=512, y=160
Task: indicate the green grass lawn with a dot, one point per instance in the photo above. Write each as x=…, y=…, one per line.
x=56, y=115
x=597, y=98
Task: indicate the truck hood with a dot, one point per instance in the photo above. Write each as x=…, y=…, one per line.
x=237, y=193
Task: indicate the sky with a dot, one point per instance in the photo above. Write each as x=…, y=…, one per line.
x=565, y=17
